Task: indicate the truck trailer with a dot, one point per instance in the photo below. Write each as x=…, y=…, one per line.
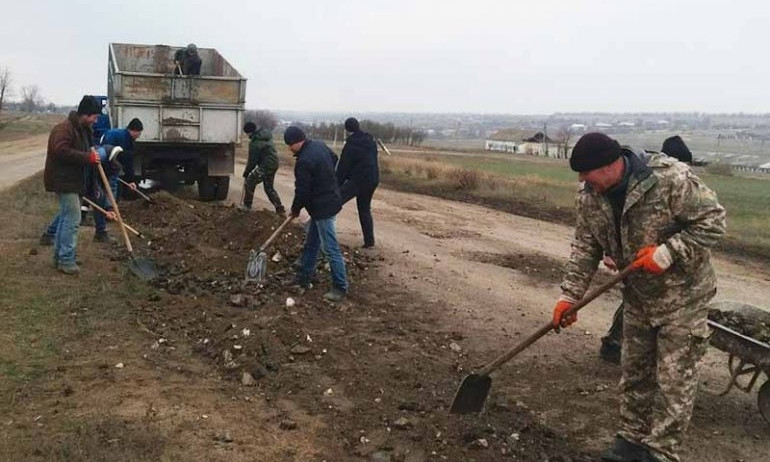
x=191, y=123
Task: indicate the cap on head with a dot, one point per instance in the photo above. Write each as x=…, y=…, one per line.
x=293, y=135
x=352, y=125
x=249, y=127
x=676, y=148
x=135, y=125
x=592, y=151
x=89, y=106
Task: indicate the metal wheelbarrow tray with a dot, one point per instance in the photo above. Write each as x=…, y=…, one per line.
x=748, y=357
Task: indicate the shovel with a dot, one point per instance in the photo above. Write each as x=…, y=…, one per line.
x=136, y=190
x=104, y=212
x=143, y=268
x=256, y=269
x=474, y=388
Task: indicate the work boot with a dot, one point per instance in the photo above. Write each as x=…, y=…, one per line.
x=623, y=450
x=610, y=351
x=280, y=210
x=244, y=208
x=105, y=238
x=334, y=295
x=368, y=246
x=71, y=269
x=46, y=239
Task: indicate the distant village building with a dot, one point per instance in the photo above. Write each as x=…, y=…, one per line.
x=517, y=142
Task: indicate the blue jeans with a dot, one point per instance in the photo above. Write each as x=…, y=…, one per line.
x=321, y=236
x=65, y=228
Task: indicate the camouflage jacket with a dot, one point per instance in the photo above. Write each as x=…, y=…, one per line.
x=666, y=203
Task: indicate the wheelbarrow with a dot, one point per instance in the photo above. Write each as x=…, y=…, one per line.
x=747, y=357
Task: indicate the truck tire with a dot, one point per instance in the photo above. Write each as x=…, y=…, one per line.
x=222, y=187
x=207, y=190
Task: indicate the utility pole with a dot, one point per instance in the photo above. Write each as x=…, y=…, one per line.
x=545, y=139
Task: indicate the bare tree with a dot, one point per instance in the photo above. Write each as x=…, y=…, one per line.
x=563, y=138
x=263, y=118
x=31, y=99
x=5, y=85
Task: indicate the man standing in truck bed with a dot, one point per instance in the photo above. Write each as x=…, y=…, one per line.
x=261, y=167
x=187, y=61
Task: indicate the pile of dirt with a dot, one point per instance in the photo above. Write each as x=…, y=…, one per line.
x=374, y=367
x=749, y=320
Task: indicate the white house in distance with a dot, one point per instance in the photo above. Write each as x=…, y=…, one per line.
x=517, y=141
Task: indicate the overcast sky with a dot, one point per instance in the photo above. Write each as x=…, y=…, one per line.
x=538, y=56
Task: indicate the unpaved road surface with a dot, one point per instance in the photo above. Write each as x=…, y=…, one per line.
x=432, y=248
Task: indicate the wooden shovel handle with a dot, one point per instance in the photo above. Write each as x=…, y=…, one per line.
x=276, y=233
x=588, y=298
x=115, y=209
x=141, y=194
x=93, y=204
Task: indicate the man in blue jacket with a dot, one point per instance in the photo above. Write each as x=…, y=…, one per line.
x=358, y=175
x=124, y=137
x=316, y=190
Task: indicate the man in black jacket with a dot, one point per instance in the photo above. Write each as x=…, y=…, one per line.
x=358, y=175
x=316, y=190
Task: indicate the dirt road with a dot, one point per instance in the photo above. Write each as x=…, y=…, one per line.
x=436, y=249
x=20, y=159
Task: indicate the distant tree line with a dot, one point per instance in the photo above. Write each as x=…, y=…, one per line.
x=387, y=132
x=30, y=97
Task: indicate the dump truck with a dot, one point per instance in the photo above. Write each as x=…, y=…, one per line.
x=191, y=123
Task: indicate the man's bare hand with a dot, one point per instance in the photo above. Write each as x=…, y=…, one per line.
x=111, y=215
x=610, y=263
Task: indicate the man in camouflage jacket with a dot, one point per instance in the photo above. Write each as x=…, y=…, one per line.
x=658, y=216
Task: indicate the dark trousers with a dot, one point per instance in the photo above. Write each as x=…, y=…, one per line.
x=615, y=334
x=267, y=179
x=363, y=195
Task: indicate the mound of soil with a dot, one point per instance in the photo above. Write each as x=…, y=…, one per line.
x=374, y=367
x=749, y=320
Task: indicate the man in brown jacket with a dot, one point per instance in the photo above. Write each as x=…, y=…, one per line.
x=70, y=153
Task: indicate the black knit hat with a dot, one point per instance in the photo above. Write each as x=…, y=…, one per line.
x=676, y=148
x=135, y=125
x=89, y=105
x=293, y=135
x=351, y=125
x=249, y=127
x=592, y=151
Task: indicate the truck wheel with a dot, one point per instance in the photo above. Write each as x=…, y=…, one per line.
x=207, y=188
x=223, y=186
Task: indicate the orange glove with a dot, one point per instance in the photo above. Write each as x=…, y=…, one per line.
x=93, y=158
x=561, y=307
x=654, y=259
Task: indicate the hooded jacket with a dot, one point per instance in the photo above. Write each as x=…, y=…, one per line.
x=262, y=152
x=665, y=203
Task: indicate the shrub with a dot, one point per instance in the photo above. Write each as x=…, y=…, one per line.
x=432, y=172
x=464, y=179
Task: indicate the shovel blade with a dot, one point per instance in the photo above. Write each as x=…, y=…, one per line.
x=142, y=268
x=256, y=268
x=471, y=394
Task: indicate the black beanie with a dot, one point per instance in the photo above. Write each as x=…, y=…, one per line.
x=592, y=151
x=351, y=125
x=89, y=105
x=249, y=127
x=135, y=125
x=293, y=135
x=676, y=148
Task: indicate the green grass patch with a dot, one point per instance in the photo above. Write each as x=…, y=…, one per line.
x=545, y=189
